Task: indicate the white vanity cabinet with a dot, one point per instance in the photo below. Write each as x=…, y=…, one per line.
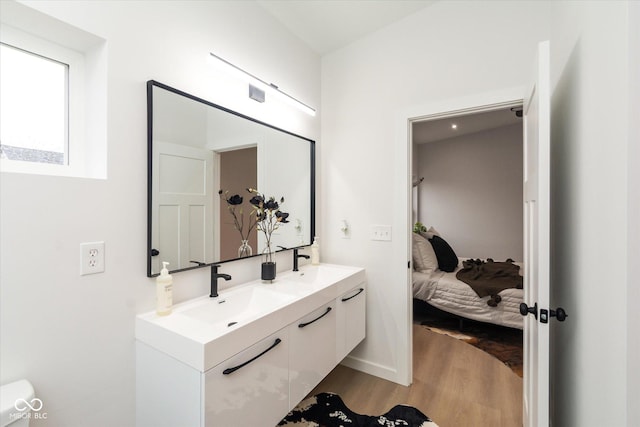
x=312, y=350
x=351, y=318
x=250, y=355
x=251, y=388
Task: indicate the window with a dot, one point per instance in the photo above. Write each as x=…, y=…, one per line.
x=33, y=107
x=53, y=96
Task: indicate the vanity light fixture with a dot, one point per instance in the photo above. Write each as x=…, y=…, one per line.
x=258, y=87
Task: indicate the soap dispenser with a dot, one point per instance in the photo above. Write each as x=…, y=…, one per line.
x=315, y=252
x=164, y=291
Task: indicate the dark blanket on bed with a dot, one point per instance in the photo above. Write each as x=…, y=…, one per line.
x=489, y=278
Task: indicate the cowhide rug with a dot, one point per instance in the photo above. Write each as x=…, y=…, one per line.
x=328, y=410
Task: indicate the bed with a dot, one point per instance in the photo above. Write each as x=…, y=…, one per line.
x=443, y=291
x=434, y=282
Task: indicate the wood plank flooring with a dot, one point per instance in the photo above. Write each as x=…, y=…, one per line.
x=454, y=383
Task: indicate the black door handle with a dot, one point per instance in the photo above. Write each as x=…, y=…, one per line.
x=559, y=314
x=525, y=309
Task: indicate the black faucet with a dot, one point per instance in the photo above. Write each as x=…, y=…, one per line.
x=214, y=280
x=296, y=255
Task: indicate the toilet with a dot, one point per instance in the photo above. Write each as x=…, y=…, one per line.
x=16, y=401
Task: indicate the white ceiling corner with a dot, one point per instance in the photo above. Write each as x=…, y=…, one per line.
x=327, y=25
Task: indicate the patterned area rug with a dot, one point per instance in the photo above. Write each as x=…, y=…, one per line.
x=328, y=410
x=505, y=344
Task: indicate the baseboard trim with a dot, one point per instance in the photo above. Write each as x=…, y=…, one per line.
x=371, y=368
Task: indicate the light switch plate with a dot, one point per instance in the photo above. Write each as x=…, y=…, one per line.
x=381, y=232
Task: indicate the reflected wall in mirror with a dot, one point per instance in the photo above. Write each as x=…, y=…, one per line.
x=197, y=148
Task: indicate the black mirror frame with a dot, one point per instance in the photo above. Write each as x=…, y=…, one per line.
x=312, y=146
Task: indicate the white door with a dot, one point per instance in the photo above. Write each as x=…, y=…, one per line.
x=182, y=206
x=536, y=243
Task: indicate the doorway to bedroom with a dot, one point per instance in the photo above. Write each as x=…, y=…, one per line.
x=468, y=182
x=466, y=201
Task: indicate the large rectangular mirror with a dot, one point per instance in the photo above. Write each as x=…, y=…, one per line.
x=195, y=150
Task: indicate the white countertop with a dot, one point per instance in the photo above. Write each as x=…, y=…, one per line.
x=198, y=331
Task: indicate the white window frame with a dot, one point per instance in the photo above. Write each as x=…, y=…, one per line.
x=75, y=152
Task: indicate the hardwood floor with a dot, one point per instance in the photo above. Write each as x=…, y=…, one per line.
x=454, y=383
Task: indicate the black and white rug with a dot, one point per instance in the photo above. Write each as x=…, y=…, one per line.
x=328, y=410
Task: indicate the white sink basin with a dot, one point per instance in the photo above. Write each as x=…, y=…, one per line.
x=234, y=306
x=316, y=276
x=205, y=331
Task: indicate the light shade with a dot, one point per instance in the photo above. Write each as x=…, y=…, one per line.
x=262, y=85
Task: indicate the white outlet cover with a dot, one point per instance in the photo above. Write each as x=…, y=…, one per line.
x=91, y=258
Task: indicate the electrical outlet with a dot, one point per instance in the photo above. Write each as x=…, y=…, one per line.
x=91, y=258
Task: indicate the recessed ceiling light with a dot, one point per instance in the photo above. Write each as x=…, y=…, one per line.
x=454, y=126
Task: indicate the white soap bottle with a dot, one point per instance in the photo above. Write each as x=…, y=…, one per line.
x=164, y=291
x=315, y=252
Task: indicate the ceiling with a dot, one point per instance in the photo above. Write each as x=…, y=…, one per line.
x=327, y=25
x=437, y=130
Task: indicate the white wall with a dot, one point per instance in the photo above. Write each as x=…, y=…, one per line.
x=453, y=49
x=472, y=192
x=448, y=50
x=590, y=227
x=633, y=195
x=73, y=336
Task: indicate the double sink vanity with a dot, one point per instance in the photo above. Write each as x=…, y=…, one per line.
x=248, y=356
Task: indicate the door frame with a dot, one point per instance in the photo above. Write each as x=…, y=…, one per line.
x=469, y=104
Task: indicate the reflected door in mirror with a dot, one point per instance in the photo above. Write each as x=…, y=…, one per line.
x=183, y=206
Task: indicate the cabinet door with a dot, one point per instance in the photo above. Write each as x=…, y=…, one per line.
x=167, y=390
x=250, y=388
x=351, y=317
x=312, y=350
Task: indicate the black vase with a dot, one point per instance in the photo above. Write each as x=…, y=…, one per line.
x=268, y=270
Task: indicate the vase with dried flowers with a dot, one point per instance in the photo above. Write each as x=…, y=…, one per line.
x=269, y=218
x=234, y=204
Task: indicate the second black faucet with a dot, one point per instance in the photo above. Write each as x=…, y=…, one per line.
x=296, y=255
x=214, y=280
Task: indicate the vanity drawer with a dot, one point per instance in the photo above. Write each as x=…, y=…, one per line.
x=252, y=386
x=351, y=318
x=312, y=350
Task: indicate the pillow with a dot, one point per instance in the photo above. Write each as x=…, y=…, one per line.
x=447, y=258
x=424, y=258
x=430, y=233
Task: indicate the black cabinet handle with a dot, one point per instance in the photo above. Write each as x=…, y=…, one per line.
x=302, y=325
x=235, y=368
x=353, y=296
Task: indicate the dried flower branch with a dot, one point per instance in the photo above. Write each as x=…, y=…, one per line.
x=268, y=216
x=234, y=202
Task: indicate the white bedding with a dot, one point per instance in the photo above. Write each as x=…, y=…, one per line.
x=442, y=290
